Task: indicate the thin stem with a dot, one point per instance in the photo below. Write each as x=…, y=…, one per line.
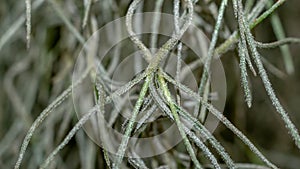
x=225, y=46
x=279, y=33
x=178, y=69
x=248, y=6
x=223, y=119
x=133, y=36
x=270, y=91
x=86, y=13
x=207, y=135
x=187, y=143
x=155, y=25
x=170, y=44
x=70, y=135
x=256, y=11
x=244, y=75
x=266, y=14
x=277, y=43
x=28, y=22
x=122, y=148
x=6, y=36
x=212, y=46
x=60, y=99
x=205, y=75
x=243, y=51
x=203, y=131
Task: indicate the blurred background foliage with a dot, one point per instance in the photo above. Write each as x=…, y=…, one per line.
x=32, y=78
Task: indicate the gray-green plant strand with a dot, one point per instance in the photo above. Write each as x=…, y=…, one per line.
x=240, y=13
x=207, y=153
x=179, y=46
x=243, y=51
x=257, y=9
x=17, y=24
x=203, y=131
x=106, y=158
x=244, y=166
x=244, y=75
x=212, y=46
x=188, y=145
x=101, y=102
x=137, y=162
x=227, y=45
x=126, y=136
x=280, y=34
x=146, y=53
x=223, y=119
x=273, y=69
x=162, y=52
x=145, y=117
x=86, y=13
x=266, y=13
x=28, y=22
x=61, y=98
x=70, y=135
x=178, y=70
x=79, y=125
x=7, y=139
x=207, y=135
x=277, y=43
x=155, y=25
x=249, y=4
x=176, y=15
x=205, y=75
x=256, y=56
x=263, y=74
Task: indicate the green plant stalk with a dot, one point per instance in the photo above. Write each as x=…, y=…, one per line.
x=225, y=46
x=257, y=10
x=267, y=13
x=106, y=158
x=187, y=143
x=126, y=136
x=279, y=33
